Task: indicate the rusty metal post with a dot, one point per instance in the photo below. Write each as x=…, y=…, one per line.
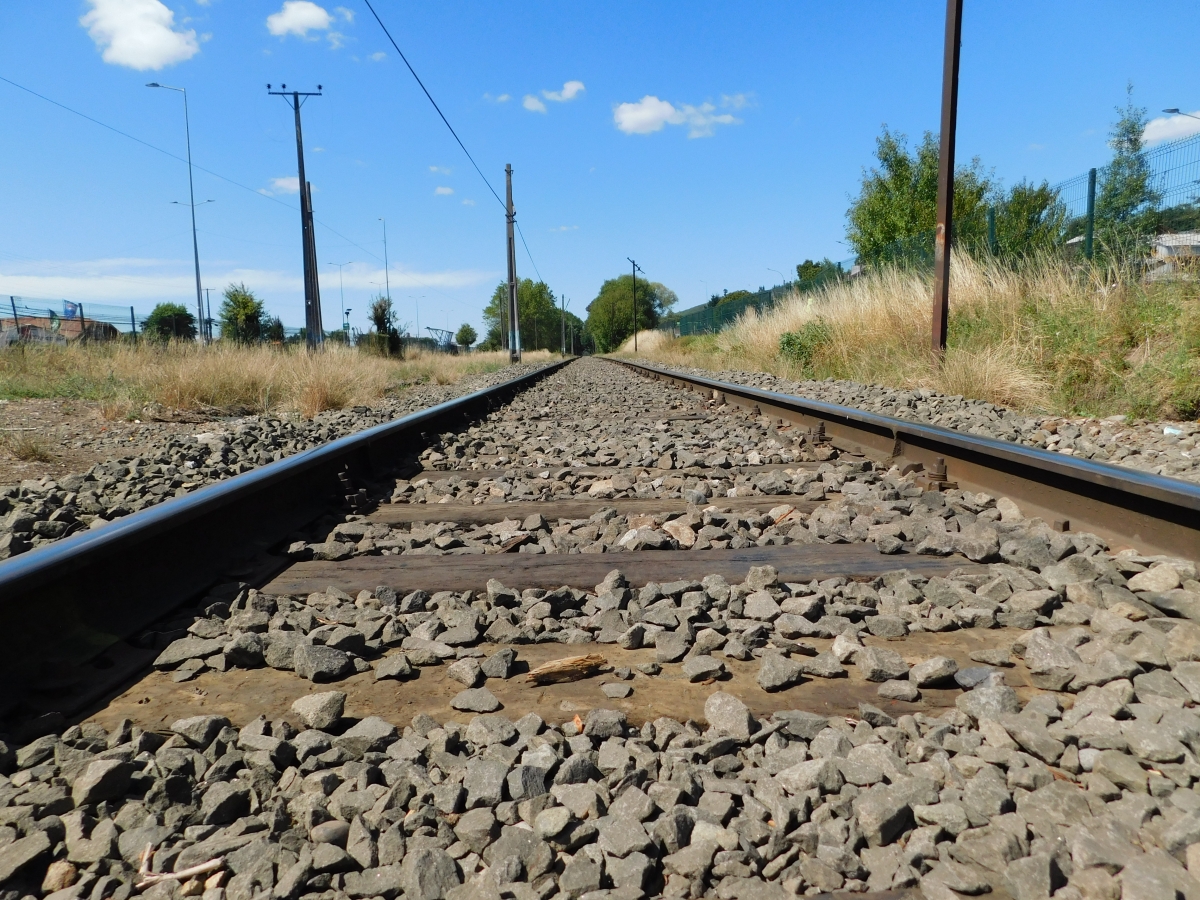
x=945, y=195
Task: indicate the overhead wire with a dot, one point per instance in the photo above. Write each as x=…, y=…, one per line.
x=446, y=121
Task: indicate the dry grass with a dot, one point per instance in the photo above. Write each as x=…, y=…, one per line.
x=226, y=379
x=25, y=447
x=1039, y=336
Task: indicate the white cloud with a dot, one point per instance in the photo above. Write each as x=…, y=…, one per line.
x=347, y=14
x=298, y=17
x=287, y=185
x=1169, y=128
x=566, y=228
x=650, y=114
x=569, y=92
x=439, y=170
x=533, y=104
x=504, y=98
x=139, y=34
x=377, y=56
x=443, y=191
x=468, y=203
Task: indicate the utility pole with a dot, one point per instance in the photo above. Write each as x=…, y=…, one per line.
x=207, y=323
x=187, y=128
x=636, y=269
x=514, y=325
x=945, y=194
x=313, y=327
x=563, y=300
x=342, y=295
x=1090, y=229
x=387, y=282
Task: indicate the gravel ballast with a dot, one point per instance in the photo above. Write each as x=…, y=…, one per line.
x=1164, y=448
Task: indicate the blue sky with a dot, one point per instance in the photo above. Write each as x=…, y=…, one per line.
x=711, y=141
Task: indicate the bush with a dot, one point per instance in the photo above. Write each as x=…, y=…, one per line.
x=801, y=346
x=170, y=321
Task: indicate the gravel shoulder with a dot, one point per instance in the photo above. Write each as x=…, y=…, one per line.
x=104, y=470
x=1163, y=448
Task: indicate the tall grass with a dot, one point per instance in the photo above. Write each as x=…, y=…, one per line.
x=224, y=378
x=1038, y=336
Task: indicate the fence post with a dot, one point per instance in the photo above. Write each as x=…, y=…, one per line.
x=133, y=324
x=991, y=227
x=82, y=322
x=16, y=318
x=1091, y=214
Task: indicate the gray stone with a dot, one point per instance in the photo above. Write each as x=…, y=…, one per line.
x=1122, y=770
x=500, y=663
x=616, y=690
x=369, y=735
x=671, y=646
x=395, y=665
x=880, y=664
x=580, y=876
x=887, y=626
x=631, y=872
x=702, y=668
x=333, y=832
x=577, y=770
x=525, y=782
x=199, y=731
x=620, y=836
x=762, y=606
x=466, y=671
x=552, y=822
x=245, y=651
x=905, y=691
x=319, y=663
x=989, y=702
x=602, y=724
x=224, y=802
x=104, y=779
x=883, y=814
x=820, y=774
x=428, y=874
x=1033, y=737
x=1033, y=878
x=479, y=700
x=933, y=672
x=777, y=672
x=823, y=665
x=972, y=676
x=18, y=854
x=484, y=781
x=382, y=881
x=187, y=648
x=729, y=715
x=477, y=828
x=321, y=711
x=279, y=649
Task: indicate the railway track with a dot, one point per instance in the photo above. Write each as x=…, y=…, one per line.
x=608, y=631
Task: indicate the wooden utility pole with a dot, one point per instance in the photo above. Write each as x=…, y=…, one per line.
x=514, y=325
x=945, y=195
x=634, y=304
x=313, y=328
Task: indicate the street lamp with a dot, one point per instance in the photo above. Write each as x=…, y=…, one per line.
x=342, y=293
x=187, y=128
x=346, y=322
x=777, y=272
x=417, y=307
x=1176, y=112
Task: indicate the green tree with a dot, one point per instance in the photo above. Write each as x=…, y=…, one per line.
x=1125, y=196
x=169, y=321
x=894, y=215
x=610, y=315
x=1031, y=218
x=810, y=274
x=242, y=315
x=273, y=330
x=466, y=335
x=539, y=317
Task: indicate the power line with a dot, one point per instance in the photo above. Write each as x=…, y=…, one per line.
x=527, y=253
x=388, y=34
x=124, y=134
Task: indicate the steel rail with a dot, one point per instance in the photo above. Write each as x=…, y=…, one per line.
x=1126, y=507
x=64, y=603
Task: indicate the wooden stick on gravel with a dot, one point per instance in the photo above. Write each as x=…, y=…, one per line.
x=572, y=668
x=191, y=872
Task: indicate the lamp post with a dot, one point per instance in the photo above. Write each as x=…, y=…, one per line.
x=1176, y=112
x=777, y=272
x=346, y=323
x=417, y=307
x=342, y=294
x=187, y=130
